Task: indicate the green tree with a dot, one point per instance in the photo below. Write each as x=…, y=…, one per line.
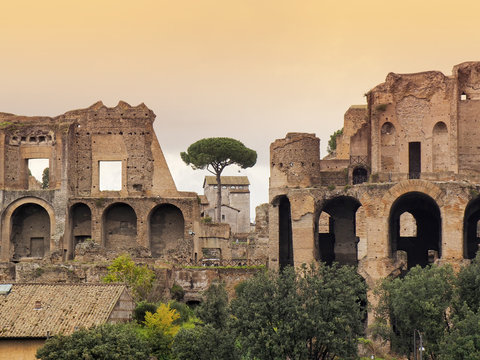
x=317, y=315
x=212, y=338
x=105, y=342
x=45, y=178
x=462, y=341
x=214, y=155
x=468, y=286
x=141, y=309
x=204, y=342
x=419, y=301
x=139, y=279
x=214, y=309
x=332, y=142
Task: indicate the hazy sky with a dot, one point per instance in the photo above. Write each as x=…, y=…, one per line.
x=249, y=69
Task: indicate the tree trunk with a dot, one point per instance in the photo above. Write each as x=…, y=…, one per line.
x=219, y=199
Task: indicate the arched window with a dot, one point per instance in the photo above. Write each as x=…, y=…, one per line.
x=120, y=227
x=167, y=227
x=440, y=147
x=422, y=244
x=30, y=233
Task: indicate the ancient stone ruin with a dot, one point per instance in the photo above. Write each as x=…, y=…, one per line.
x=107, y=190
x=402, y=188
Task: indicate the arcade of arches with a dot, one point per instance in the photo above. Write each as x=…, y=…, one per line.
x=31, y=223
x=410, y=224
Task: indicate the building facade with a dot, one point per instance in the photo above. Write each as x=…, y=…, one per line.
x=108, y=182
x=401, y=190
x=235, y=201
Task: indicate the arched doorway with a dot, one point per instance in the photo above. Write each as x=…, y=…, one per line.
x=471, y=230
x=120, y=227
x=415, y=227
x=30, y=231
x=337, y=239
x=167, y=227
x=285, y=238
x=81, y=225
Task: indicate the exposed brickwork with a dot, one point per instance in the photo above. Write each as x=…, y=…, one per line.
x=416, y=201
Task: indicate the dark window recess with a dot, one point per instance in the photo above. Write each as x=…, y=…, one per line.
x=414, y=162
x=360, y=175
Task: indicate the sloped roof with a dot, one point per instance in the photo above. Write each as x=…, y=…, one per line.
x=203, y=200
x=32, y=310
x=227, y=180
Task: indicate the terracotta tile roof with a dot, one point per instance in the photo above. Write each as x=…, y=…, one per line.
x=227, y=180
x=32, y=310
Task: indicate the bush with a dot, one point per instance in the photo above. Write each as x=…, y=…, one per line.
x=177, y=292
x=106, y=342
x=140, y=310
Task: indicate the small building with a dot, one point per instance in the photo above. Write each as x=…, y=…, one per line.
x=235, y=201
x=30, y=313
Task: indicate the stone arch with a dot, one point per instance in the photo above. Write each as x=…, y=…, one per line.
x=412, y=185
x=387, y=134
x=166, y=228
x=80, y=220
x=39, y=216
x=388, y=148
x=440, y=146
x=471, y=238
x=425, y=247
x=285, y=235
x=340, y=243
x=119, y=222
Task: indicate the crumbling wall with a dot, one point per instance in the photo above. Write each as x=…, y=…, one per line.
x=355, y=118
x=406, y=109
x=295, y=161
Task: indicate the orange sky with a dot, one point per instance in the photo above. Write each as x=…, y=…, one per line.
x=249, y=69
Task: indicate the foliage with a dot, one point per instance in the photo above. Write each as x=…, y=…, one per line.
x=103, y=342
x=177, y=292
x=163, y=320
x=212, y=338
x=317, y=315
x=332, y=142
x=141, y=309
x=206, y=219
x=214, y=154
x=218, y=153
x=214, y=309
x=139, y=279
x=381, y=107
x=468, y=286
x=204, y=342
x=45, y=178
x=462, y=342
x=419, y=301
x=186, y=314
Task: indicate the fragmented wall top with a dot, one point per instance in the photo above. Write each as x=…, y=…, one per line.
x=79, y=144
x=423, y=125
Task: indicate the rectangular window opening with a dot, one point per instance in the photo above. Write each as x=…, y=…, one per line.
x=38, y=173
x=110, y=175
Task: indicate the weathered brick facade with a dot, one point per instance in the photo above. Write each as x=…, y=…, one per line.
x=402, y=188
x=145, y=215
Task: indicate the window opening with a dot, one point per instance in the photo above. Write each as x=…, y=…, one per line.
x=414, y=160
x=38, y=173
x=110, y=175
